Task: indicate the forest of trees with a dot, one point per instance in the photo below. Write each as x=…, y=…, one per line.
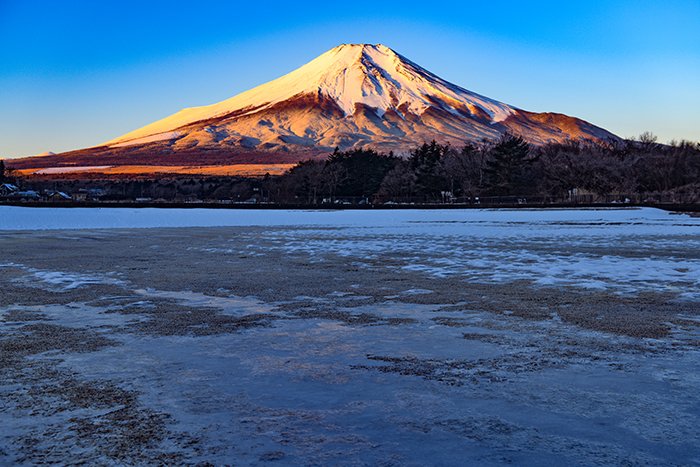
x=433, y=173
x=506, y=171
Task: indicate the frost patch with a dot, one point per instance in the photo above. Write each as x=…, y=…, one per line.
x=70, y=281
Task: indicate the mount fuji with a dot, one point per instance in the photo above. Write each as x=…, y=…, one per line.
x=354, y=95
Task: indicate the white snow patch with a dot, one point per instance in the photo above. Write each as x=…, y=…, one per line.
x=69, y=281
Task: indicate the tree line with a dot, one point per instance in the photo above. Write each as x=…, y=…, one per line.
x=435, y=173
x=503, y=171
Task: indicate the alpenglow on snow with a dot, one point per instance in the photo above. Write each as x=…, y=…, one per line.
x=354, y=95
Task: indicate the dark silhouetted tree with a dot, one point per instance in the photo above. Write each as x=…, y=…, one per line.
x=359, y=172
x=464, y=170
x=507, y=165
x=426, y=163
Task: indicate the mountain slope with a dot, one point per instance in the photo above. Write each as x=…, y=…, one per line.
x=353, y=95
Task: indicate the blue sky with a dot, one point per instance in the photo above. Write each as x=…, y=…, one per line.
x=74, y=74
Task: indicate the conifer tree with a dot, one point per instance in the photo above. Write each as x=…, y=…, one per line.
x=507, y=164
x=426, y=162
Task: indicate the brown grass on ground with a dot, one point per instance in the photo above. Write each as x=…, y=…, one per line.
x=223, y=170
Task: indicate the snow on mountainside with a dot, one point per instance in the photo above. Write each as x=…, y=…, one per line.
x=349, y=75
x=354, y=95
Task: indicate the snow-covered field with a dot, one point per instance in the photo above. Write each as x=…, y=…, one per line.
x=489, y=337
x=548, y=247
x=490, y=222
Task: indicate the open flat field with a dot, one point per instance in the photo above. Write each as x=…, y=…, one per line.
x=241, y=170
x=539, y=337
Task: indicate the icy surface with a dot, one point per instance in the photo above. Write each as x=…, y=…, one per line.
x=546, y=247
x=462, y=222
x=349, y=337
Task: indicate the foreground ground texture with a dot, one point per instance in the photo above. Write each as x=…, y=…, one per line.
x=350, y=338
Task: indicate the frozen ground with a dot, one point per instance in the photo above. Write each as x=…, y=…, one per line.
x=349, y=337
x=530, y=222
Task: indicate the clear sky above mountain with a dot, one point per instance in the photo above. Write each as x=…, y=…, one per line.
x=78, y=73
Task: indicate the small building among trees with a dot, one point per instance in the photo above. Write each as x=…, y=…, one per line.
x=7, y=189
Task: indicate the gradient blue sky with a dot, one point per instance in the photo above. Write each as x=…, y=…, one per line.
x=74, y=74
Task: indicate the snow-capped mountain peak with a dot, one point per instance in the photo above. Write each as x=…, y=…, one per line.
x=352, y=95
